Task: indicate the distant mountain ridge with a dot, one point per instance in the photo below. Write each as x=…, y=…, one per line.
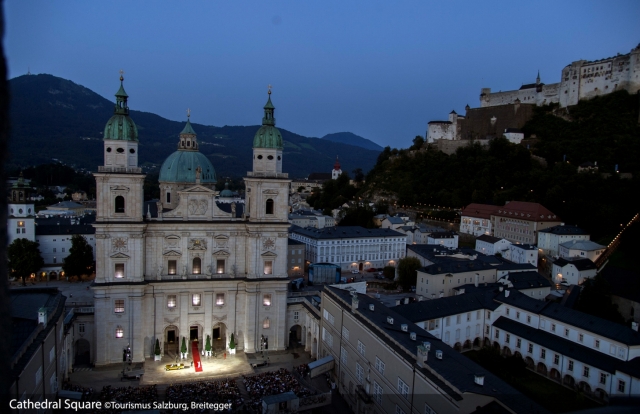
x=53, y=117
x=350, y=138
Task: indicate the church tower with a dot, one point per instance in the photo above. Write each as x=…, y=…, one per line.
x=119, y=195
x=21, y=220
x=337, y=170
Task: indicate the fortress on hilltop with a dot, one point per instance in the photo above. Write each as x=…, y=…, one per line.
x=581, y=79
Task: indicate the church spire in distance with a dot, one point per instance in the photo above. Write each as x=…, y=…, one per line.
x=121, y=98
x=268, y=112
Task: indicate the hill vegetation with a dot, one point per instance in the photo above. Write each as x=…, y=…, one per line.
x=353, y=139
x=604, y=129
x=53, y=118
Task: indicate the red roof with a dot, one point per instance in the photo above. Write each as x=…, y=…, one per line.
x=479, y=210
x=336, y=165
x=525, y=210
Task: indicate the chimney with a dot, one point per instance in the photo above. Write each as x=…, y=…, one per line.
x=412, y=336
x=423, y=356
x=42, y=317
x=404, y=327
x=506, y=293
x=439, y=354
x=397, y=302
x=476, y=282
x=371, y=307
x=389, y=320
x=354, y=303
x=478, y=379
x=501, y=288
x=420, y=298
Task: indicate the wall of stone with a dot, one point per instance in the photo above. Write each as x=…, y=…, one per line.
x=478, y=121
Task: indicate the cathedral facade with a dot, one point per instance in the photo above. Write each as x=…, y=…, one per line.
x=189, y=265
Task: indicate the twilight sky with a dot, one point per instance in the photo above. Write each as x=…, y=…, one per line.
x=379, y=69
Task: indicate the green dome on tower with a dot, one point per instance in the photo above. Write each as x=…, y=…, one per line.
x=181, y=166
x=268, y=135
x=121, y=126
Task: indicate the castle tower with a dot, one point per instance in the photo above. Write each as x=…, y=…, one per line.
x=21, y=217
x=337, y=170
x=119, y=195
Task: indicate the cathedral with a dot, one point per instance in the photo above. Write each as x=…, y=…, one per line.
x=191, y=264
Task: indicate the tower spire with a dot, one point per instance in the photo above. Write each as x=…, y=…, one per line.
x=268, y=111
x=538, y=78
x=121, y=98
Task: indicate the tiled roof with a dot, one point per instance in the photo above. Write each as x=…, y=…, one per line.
x=442, y=235
x=345, y=232
x=580, y=264
x=524, y=246
x=524, y=210
x=459, y=266
x=488, y=239
x=62, y=225
x=395, y=220
x=451, y=305
x=586, y=245
x=526, y=280
x=479, y=210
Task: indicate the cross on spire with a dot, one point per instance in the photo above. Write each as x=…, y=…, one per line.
x=121, y=75
x=188, y=112
x=269, y=89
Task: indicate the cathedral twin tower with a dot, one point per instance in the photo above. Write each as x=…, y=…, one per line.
x=194, y=263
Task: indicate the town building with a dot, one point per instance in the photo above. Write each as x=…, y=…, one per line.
x=573, y=270
x=584, y=352
x=490, y=245
x=440, y=279
x=384, y=363
x=22, y=213
x=337, y=170
x=522, y=253
x=581, y=248
x=38, y=353
x=352, y=247
x=520, y=221
x=579, y=80
x=187, y=265
x=295, y=258
x=443, y=238
x=550, y=238
x=475, y=219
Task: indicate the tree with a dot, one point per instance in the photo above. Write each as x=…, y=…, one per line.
x=80, y=259
x=232, y=342
x=157, y=350
x=389, y=272
x=24, y=258
x=358, y=175
x=207, y=346
x=407, y=275
x=595, y=299
x=183, y=348
x=418, y=141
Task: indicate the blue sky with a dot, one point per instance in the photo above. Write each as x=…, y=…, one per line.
x=379, y=69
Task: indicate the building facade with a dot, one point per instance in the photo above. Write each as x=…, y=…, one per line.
x=521, y=221
x=188, y=266
x=22, y=213
x=550, y=238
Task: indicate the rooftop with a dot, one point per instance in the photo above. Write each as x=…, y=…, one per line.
x=524, y=210
x=580, y=264
x=586, y=245
x=346, y=232
x=479, y=210
x=563, y=230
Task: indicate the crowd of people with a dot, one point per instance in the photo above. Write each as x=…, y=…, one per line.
x=303, y=370
x=271, y=383
x=87, y=392
x=225, y=391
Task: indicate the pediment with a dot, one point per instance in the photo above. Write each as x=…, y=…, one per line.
x=119, y=255
x=197, y=189
x=269, y=254
x=172, y=253
x=221, y=253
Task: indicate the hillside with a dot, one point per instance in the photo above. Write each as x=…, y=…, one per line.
x=353, y=139
x=55, y=118
x=504, y=171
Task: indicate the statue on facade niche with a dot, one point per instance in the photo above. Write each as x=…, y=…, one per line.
x=209, y=270
x=184, y=270
x=159, y=272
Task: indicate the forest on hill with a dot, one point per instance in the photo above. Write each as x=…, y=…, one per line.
x=604, y=129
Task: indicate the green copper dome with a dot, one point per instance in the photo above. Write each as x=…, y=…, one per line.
x=268, y=135
x=226, y=192
x=180, y=167
x=121, y=126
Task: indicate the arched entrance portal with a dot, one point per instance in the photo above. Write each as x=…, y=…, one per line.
x=83, y=352
x=171, y=340
x=219, y=337
x=53, y=276
x=295, y=336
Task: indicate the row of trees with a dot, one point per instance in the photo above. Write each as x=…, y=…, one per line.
x=25, y=259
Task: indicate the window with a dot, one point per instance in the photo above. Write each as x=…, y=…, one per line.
x=196, y=299
x=343, y=355
x=553, y=327
x=517, y=315
x=220, y=299
x=543, y=353
x=296, y=315
x=518, y=342
x=345, y=333
x=566, y=332
x=269, y=207
x=377, y=392
x=171, y=301
x=119, y=204
x=361, y=348
x=530, y=350
x=447, y=321
x=54, y=249
x=379, y=366
x=268, y=267
x=507, y=338
x=328, y=316
x=266, y=324
x=168, y=197
x=327, y=337
x=508, y=311
x=403, y=388
x=220, y=266
x=399, y=410
x=446, y=336
x=585, y=372
x=621, y=386
x=488, y=314
x=429, y=410
x=597, y=343
x=359, y=372
x=52, y=354
x=119, y=332
x=458, y=319
x=497, y=335
x=528, y=318
x=81, y=328
x=266, y=300
x=581, y=337
x=119, y=270
x=603, y=378
x=172, y=267
x=196, y=266
x=570, y=368
x=118, y=306
x=468, y=316
x=38, y=375
x=63, y=250
x=556, y=359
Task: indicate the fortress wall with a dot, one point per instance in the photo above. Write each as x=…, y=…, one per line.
x=477, y=124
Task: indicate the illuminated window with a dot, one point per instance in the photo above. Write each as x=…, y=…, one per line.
x=173, y=265
x=119, y=332
x=119, y=268
x=195, y=299
x=196, y=266
x=266, y=300
x=118, y=306
x=220, y=299
x=171, y=301
x=266, y=323
x=268, y=267
x=220, y=266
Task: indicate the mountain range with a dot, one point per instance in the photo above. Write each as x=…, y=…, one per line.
x=54, y=118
